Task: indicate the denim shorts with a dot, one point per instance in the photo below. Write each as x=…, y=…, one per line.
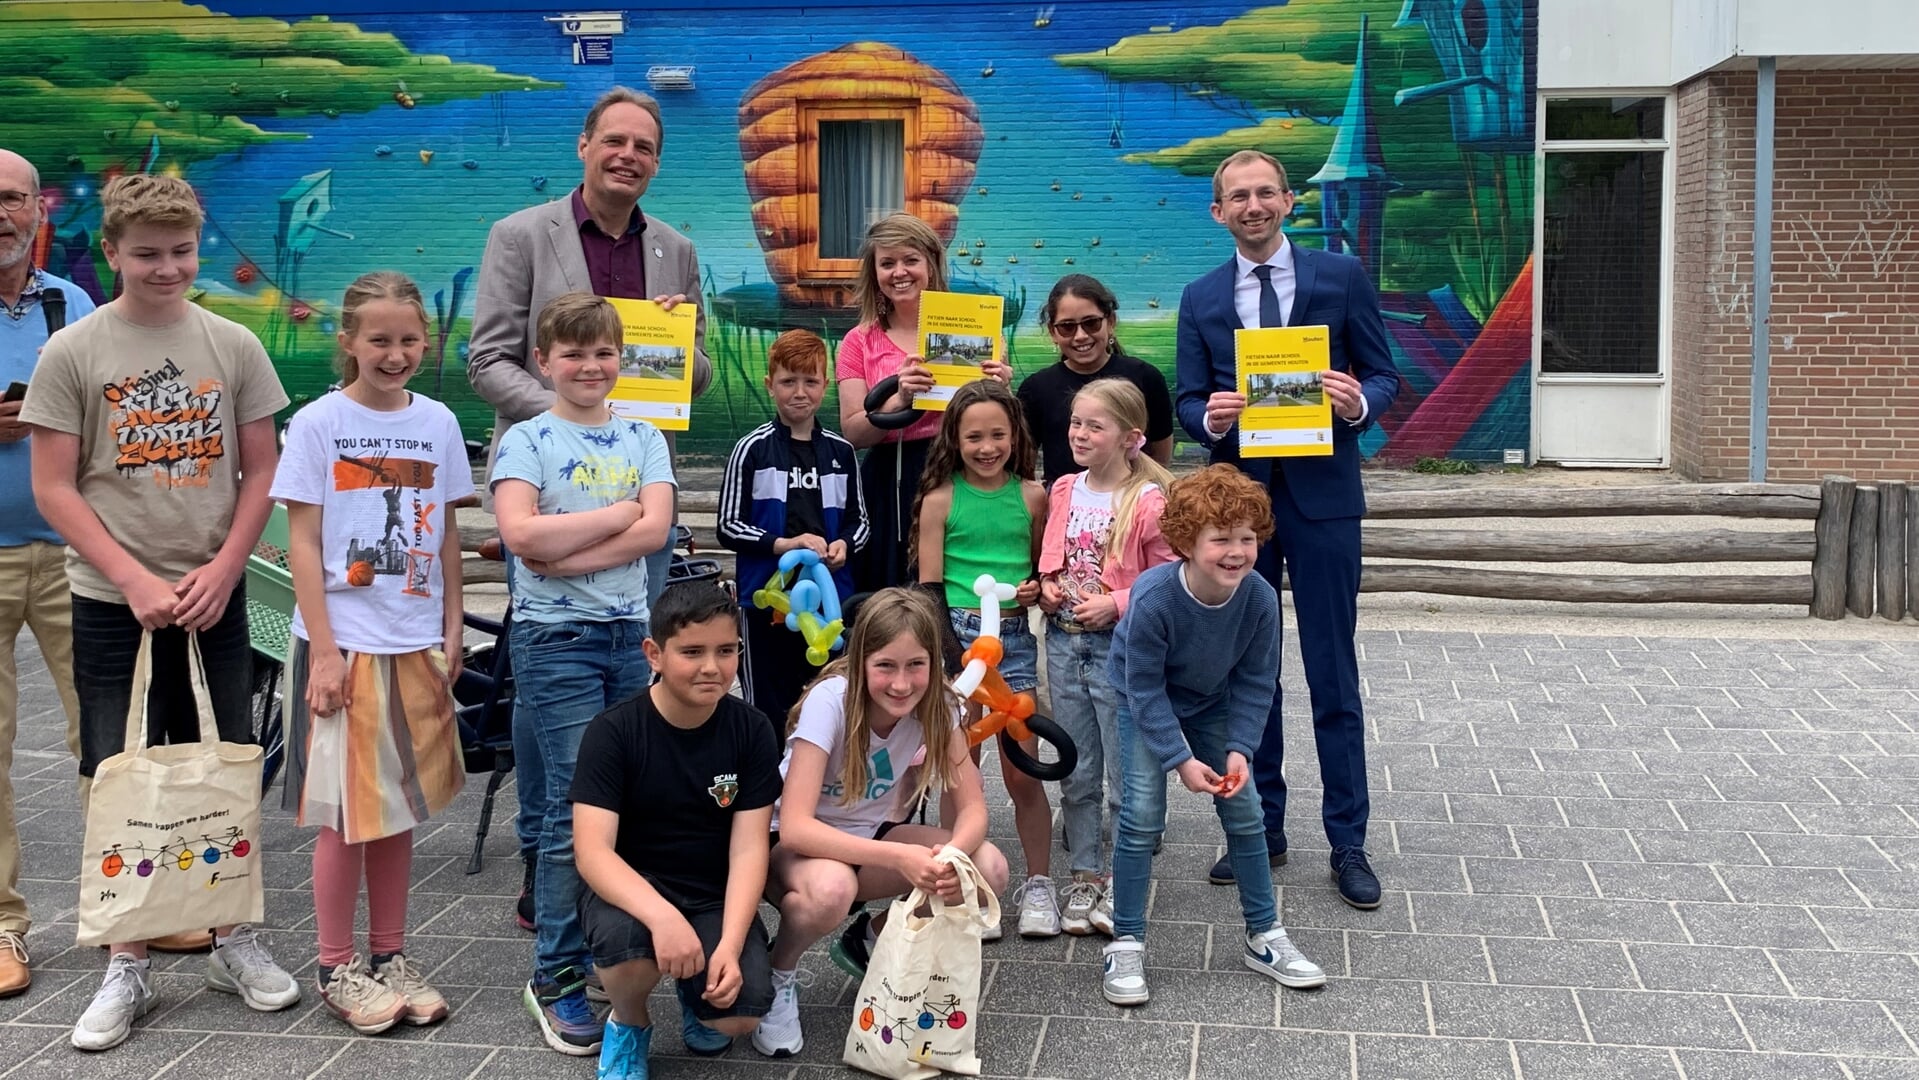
x=1020, y=666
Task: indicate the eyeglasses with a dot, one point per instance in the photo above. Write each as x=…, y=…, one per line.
x=16, y=200
x=1072, y=328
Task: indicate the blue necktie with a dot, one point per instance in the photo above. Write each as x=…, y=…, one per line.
x=1268, y=298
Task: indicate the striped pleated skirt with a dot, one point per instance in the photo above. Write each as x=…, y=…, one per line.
x=384, y=764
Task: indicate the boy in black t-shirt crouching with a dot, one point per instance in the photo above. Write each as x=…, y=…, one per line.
x=672, y=805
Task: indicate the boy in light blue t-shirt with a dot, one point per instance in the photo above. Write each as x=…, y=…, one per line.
x=582, y=497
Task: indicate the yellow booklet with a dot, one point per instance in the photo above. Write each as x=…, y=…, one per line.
x=958, y=333
x=656, y=364
x=1287, y=413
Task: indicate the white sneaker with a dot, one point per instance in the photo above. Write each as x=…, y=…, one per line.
x=1077, y=901
x=1038, y=907
x=1102, y=917
x=1123, y=979
x=779, y=1035
x=124, y=996
x=1273, y=953
x=992, y=931
x=243, y=966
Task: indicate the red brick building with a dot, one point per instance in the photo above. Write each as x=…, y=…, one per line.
x=1842, y=356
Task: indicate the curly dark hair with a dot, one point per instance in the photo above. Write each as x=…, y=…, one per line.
x=1219, y=497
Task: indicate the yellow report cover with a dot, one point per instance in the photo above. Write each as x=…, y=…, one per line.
x=1287, y=413
x=656, y=364
x=958, y=333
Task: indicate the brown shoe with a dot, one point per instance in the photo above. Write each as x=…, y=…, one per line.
x=186, y=941
x=15, y=976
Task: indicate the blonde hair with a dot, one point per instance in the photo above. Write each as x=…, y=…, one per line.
x=895, y=230
x=1241, y=158
x=578, y=318
x=885, y=616
x=378, y=285
x=1127, y=406
x=166, y=202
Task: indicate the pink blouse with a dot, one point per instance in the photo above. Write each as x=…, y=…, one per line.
x=867, y=353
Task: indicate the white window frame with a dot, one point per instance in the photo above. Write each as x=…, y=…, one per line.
x=1668, y=177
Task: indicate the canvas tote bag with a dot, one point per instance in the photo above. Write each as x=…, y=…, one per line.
x=173, y=832
x=918, y=1006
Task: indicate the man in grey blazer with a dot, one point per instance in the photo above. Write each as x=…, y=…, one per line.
x=595, y=240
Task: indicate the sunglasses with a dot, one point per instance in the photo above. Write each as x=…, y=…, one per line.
x=1072, y=328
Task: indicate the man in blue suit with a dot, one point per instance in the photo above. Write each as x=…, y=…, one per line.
x=1317, y=501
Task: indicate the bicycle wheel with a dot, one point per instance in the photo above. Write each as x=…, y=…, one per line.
x=267, y=727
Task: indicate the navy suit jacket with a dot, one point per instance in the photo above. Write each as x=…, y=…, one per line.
x=1330, y=290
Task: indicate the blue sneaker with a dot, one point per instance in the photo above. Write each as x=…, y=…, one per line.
x=623, y=1054
x=698, y=1038
x=559, y=1006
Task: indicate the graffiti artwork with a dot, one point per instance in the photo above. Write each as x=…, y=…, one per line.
x=1079, y=141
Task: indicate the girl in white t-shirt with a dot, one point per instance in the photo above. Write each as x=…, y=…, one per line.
x=1102, y=529
x=369, y=477
x=875, y=734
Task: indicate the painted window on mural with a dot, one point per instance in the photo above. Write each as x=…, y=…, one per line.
x=862, y=179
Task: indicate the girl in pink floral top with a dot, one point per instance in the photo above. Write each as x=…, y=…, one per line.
x=1102, y=529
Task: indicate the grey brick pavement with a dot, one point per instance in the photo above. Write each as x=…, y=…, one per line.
x=1604, y=857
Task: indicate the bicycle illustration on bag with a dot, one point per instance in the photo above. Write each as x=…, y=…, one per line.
x=944, y=1013
x=179, y=855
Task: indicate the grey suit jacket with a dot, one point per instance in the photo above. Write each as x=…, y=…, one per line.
x=531, y=257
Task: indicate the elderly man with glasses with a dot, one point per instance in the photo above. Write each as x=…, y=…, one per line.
x=33, y=574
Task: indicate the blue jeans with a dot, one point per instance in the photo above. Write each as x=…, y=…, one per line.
x=1142, y=818
x=565, y=674
x=1019, y=658
x=529, y=773
x=1086, y=704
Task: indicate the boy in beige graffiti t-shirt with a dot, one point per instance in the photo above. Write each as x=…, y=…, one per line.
x=153, y=451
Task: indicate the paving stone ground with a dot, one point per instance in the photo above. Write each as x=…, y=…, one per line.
x=1627, y=856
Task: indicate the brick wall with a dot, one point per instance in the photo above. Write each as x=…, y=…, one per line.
x=1845, y=304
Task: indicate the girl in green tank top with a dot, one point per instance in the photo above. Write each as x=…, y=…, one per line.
x=982, y=511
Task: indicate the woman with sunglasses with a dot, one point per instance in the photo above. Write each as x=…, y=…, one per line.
x=1080, y=314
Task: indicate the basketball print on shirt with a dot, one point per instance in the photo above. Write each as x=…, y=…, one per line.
x=391, y=519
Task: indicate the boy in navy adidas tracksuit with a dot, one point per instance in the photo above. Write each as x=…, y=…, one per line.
x=790, y=483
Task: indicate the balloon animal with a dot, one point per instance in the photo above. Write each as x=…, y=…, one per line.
x=1008, y=714
x=802, y=590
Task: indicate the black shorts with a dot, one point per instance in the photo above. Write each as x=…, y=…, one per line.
x=614, y=937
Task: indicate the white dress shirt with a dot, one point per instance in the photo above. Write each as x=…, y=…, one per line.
x=1246, y=285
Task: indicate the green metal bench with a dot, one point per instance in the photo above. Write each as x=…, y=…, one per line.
x=270, y=628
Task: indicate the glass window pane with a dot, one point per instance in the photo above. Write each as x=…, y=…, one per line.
x=1600, y=263
x=1606, y=118
x=862, y=179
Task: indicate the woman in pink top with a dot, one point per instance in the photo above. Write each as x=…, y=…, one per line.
x=901, y=258
x=1102, y=529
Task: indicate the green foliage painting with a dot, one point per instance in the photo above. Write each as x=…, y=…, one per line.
x=58, y=77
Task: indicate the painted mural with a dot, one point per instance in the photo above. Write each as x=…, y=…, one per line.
x=1075, y=136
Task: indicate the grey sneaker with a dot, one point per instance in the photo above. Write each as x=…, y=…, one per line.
x=1273, y=953
x=124, y=996
x=424, y=1004
x=243, y=966
x=1103, y=911
x=1077, y=901
x=364, y=1003
x=1038, y=907
x=1123, y=980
